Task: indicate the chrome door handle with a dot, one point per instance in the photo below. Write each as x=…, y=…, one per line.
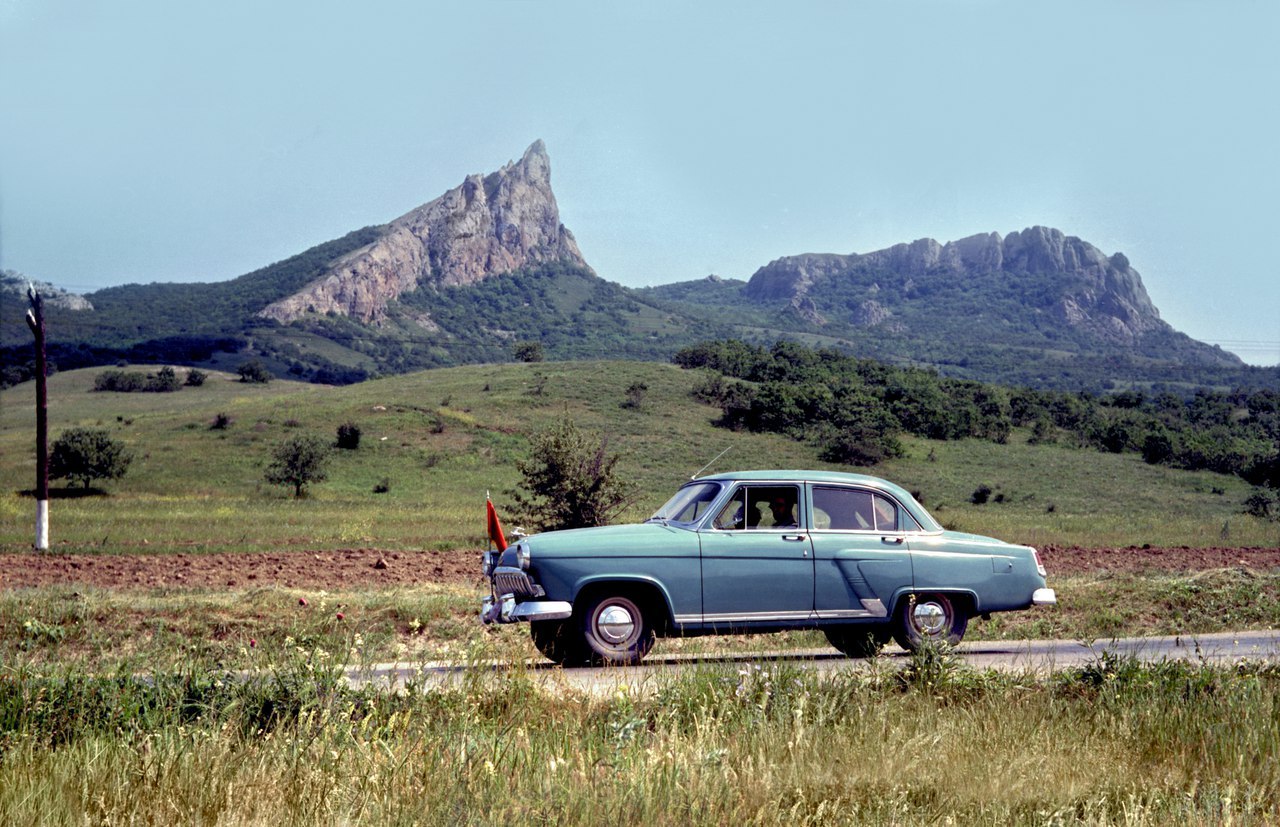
x=896, y=541
x=794, y=538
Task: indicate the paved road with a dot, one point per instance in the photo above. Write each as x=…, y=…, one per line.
x=1041, y=656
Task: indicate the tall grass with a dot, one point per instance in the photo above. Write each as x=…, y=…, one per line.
x=1112, y=742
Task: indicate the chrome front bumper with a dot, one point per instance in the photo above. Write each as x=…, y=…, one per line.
x=505, y=609
x=1043, y=597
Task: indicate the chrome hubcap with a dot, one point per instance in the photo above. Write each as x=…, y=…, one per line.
x=616, y=624
x=929, y=618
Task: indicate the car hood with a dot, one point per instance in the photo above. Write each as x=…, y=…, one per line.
x=609, y=538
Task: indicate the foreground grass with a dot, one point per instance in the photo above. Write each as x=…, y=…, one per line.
x=1113, y=742
x=97, y=629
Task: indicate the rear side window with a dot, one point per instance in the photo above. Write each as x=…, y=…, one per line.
x=849, y=509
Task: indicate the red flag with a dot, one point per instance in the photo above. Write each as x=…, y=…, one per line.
x=495, y=527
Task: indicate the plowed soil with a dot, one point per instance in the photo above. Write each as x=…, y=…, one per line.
x=365, y=568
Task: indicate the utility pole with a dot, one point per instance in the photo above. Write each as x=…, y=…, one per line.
x=35, y=321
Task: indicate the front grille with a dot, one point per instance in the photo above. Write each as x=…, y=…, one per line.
x=507, y=580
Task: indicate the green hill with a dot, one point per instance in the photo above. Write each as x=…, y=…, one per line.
x=438, y=440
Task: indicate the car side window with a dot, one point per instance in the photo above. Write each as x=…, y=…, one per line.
x=734, y=514
x=760, y=507
x=886, y=514
x=847, y=509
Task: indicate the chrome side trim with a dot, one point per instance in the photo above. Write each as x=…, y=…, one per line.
x=738, y=617
x=843, y=614
x=875, y=607
x=1043, y=597
x=871, y=608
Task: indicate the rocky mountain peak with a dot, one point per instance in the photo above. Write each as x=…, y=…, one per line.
x=489, y=224
x=1103, y=295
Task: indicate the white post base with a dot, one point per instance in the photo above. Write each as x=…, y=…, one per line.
x=42, y=524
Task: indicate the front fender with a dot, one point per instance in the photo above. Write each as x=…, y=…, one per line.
x=604, y=581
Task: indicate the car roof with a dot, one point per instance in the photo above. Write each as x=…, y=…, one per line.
x=808, y=476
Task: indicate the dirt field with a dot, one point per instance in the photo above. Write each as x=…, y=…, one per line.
x=361, y=568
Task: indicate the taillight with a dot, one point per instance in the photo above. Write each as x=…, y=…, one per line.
x=1039, y=566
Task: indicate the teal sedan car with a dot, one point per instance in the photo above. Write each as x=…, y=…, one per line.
x=760, y=551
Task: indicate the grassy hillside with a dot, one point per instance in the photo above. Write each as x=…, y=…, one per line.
x=438, y=440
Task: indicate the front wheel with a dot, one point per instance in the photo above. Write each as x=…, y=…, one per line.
x=929, y=617
x=616, y=631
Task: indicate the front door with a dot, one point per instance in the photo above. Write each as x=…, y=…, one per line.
x=757, y=564
x=860, y=550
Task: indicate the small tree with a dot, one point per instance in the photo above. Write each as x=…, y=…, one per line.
x=254, y=371
x=571, y=480
x=84, y=455
x=528, y=351
x=164, y=380
x=299, y=461
x=635, y=395
x=349, y=436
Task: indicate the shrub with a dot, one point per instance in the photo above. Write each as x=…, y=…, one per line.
x=195, y=378
x=84, y=455
x=299, y=461
x=1262, y=504
x=571, y=480
x=221, y=422
x=254, y=371
x=348, y=436
x=528, y=351
x=635, y=395
x=120, y=381
x=980, y=495
x=164, y=380
x=383, y=486
x=860, y=445
x=1042, y=432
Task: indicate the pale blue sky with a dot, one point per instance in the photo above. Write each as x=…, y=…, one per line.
x=163, y=141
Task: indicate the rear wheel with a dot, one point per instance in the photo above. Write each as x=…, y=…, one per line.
x=558, y=640
x=862, y=641
x=929, y=617
x=615, y=630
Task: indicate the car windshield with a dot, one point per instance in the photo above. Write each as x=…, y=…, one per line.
x=689, y=503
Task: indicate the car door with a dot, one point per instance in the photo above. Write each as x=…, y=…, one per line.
x=757, y=564
x=860, y=550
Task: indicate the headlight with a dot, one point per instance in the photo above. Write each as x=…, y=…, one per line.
x=523, y=555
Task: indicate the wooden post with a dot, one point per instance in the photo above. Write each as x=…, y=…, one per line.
x=35, y=321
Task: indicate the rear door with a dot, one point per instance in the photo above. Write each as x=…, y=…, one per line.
x=860, y=550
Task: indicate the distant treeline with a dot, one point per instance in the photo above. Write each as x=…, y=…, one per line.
x=856, y=410
x=19, y=361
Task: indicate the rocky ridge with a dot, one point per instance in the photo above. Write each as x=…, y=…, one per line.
x=11, y=281
x=490, y=224
x=1101, y=294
